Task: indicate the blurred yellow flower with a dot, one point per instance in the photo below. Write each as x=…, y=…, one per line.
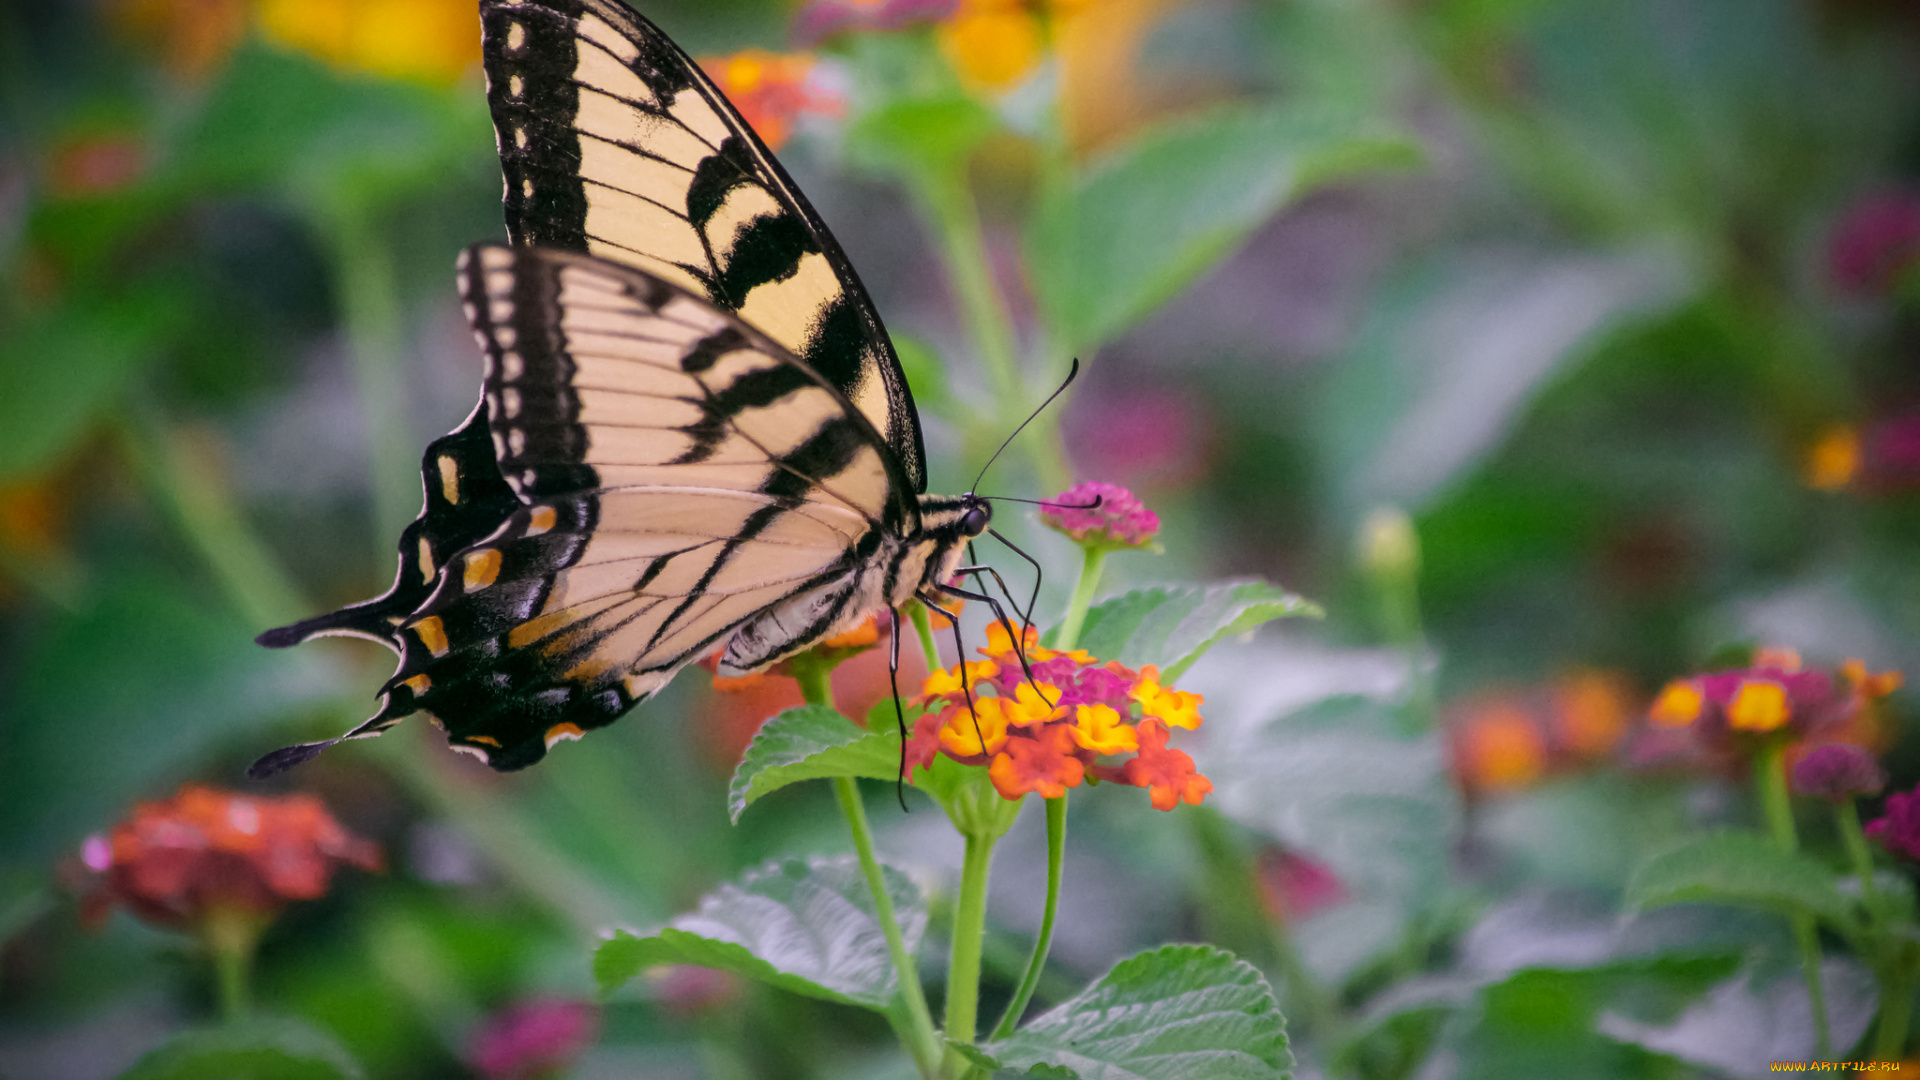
x=1759, y=705
x=1678, y=705
x=430, y=41
x=1834, y=459
x=992, y=44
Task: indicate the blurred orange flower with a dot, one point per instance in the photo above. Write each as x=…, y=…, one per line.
x=773, y=90
x=1505, y=740
x=207, y=852
x=191, y=37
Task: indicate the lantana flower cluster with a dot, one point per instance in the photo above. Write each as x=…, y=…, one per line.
x=1773, y=697
x=204, y=851
x=1101, y=515
x=1076, y=719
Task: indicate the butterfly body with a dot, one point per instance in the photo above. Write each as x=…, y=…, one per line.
x=693, y=434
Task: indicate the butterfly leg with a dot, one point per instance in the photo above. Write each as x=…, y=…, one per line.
x=1031, y=561
x=960, y=653
x=899, y=712
x=1000, y=613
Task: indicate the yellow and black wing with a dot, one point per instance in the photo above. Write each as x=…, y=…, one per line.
x=614, y=143
x=673, y=473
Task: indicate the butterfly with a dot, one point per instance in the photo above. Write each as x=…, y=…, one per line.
x=693, y=432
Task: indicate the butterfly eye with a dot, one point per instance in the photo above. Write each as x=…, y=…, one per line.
x=976, y=520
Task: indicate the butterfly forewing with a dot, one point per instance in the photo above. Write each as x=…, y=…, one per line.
x=614, y=143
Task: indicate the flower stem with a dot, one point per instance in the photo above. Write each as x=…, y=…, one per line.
x=969, y=930
x=1770, y=776
x=949, y=200
x=1896, y=1006
x=922, y=1042
x=1037, y=963
x=190, y=490
x=365, y=281
x=230, y=935
x=923, y=625
x=1068, y=637
x=1847, y=820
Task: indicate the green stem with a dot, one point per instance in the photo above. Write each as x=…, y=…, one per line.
x=921, y=1039
x=949, y=199
x=1037, y=963
x=1896, y=1007
x=366, y=283
x=191, y=492
x=922, y=1042
x=230, y=935
x=1854, y=839
x=1069, y=635
x=923, y=625
x=969, y=929
x=1770, y=776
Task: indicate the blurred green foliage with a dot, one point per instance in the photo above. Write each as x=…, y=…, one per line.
x=1561, y=278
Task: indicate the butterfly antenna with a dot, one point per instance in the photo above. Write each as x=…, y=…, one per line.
x=1072, y=373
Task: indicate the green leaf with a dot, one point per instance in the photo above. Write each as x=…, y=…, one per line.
x=1544, y=1021
x=263, y=1049
x=810, y=742
x=806, y=926
x=186, y=678
x=1178, y=1012
x=1107, y=247
x=1341, y=782
x=60, y=372
x=1174, y=625
x=1741, y=869
x=926, y=136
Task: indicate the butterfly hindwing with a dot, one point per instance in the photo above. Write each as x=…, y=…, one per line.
x=614, y=143
x=465, y=498
x=680, y=476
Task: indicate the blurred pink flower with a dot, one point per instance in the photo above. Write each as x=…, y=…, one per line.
x=1899, y=830
x=1891, y=455
x=1295, y=888
x=1838, y=771
x=1101, y=515
x=533, y=1039
x=685, y=990
x=1140, y=434
x=1875, y=241
x=822, y=19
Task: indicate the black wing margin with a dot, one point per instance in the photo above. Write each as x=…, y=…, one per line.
x=614, y=143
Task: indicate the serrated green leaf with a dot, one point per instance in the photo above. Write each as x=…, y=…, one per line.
x=263, y=1049
x=806, y=926
x=1178, y=1012
x=1741, y=869
x=810, y=742
x=1106, y=247
x=1174, y=625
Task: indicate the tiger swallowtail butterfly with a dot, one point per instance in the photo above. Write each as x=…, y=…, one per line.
x=693, y=432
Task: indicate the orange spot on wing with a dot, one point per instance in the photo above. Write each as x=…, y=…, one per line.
x=432, y=633
x=482, y=567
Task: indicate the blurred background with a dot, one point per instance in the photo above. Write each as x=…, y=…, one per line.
x=1617, y=301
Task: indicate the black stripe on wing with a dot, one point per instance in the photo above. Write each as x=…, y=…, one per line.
x=464, y=500
x=613, y=142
